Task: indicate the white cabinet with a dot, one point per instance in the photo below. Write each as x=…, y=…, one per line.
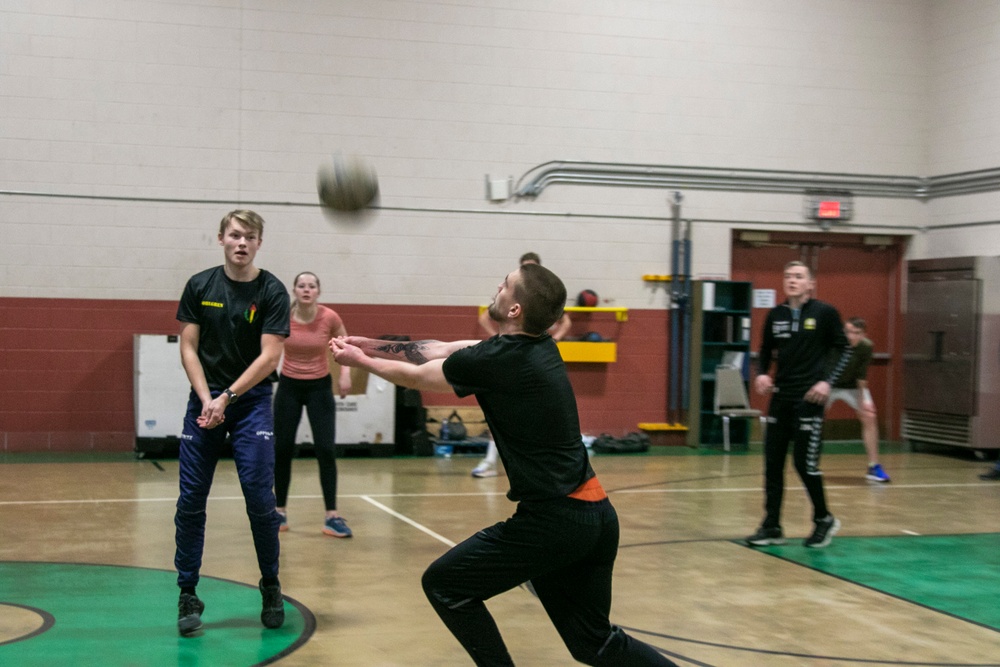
x=361, y=418
x=160, y=386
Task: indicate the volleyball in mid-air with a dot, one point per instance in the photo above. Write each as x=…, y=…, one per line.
x=346, y=183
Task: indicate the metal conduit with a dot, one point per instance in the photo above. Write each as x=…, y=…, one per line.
x=969, y=182
x=535, y=180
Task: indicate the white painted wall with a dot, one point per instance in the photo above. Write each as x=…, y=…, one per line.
x=220, y=101
x=965, y=125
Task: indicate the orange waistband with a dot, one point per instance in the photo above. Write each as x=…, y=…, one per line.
x=590, y=491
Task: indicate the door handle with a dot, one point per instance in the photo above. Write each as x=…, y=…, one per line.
x=937, y=345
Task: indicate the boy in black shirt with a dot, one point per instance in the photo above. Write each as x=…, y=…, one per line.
x=564, y=535
x=234, y=320
x=805, y=333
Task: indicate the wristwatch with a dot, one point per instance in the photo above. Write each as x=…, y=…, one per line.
x=231, y=394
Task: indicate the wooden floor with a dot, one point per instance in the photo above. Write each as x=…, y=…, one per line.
x=682, y=583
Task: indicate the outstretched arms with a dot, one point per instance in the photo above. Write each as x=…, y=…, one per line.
x=415, y=352
x=427, y=374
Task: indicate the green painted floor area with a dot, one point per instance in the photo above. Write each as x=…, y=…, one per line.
x=120, y=615
x=955, y=574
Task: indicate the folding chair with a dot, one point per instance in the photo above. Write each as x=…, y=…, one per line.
x=731, y=400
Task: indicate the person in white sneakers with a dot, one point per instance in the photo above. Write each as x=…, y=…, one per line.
x=852, y=388
x=488, y=466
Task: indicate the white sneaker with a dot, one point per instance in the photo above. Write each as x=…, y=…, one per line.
x=485, y=469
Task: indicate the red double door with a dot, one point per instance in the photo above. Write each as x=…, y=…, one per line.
x=860, y=275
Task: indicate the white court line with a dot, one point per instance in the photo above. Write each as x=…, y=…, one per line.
x=369, y=496
x=910, y=532
x=825, y=486
x=408, y=520
x=173, y=499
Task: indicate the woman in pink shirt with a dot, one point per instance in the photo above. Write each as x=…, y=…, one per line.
x=305, y=381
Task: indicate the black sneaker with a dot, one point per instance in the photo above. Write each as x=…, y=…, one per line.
x=272, y=613
x=991, y=475
x=766, y=536
x=189, y=610
x=823, y=533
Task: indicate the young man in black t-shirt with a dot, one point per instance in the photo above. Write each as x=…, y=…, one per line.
x=234, y=320
x=805, y=334
x=488, y=466
x=563, y=537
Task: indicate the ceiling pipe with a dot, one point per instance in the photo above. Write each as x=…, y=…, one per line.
x=568, y=172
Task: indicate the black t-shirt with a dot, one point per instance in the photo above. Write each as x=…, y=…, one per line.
x=810, y=346
x=232, y=316
x=521, y=384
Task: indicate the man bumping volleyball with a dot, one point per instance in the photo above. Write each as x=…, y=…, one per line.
x=564, y=535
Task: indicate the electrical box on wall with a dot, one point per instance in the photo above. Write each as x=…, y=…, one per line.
x=498, y=189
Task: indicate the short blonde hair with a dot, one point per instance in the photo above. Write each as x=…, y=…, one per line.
x=245, y=217
x=795, y=263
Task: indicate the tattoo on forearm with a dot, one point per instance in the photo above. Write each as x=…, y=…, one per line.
x=411, y=351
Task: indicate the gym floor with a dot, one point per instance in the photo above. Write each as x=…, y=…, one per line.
x=86, y=564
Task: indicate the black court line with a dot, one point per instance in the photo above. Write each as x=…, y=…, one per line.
x=747, y=649
x=666, y=543
x=48, y=620
x=308, y=627
x=667, y=482
x=759, y=475
x=879, y=590
x=811, y=656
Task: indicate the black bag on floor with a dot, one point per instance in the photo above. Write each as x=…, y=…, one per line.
x=456, y=427
x=633, y=443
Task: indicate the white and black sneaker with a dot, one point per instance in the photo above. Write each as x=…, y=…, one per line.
x=823, y=533
x=765, y=537
x=189, y=611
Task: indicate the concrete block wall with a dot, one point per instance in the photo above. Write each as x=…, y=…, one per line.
x=129, y=128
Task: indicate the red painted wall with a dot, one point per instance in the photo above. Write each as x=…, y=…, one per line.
x=66, y=366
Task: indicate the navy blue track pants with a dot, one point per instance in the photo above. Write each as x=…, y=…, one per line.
x=250, y=425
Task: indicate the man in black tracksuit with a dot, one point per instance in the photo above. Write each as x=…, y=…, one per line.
x=563, y=538
x=804, y=333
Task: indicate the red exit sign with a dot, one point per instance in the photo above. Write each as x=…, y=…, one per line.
x=828, y=209
x=829, y=206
